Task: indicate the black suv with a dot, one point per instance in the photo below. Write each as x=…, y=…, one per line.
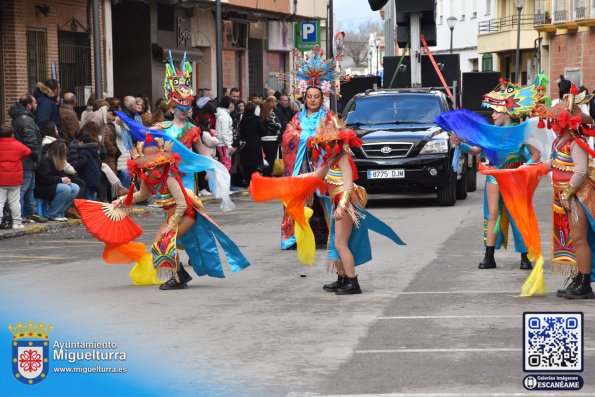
x=403, y=149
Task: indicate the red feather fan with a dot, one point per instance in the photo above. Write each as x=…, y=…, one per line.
x=106, y=223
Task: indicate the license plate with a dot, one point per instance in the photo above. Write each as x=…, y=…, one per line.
x=386, y=174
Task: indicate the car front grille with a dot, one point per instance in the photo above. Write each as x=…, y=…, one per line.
x=386, y=150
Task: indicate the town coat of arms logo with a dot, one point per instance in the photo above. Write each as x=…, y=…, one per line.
x=30, y=351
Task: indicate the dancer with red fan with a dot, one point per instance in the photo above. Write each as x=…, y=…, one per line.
x=185, y=221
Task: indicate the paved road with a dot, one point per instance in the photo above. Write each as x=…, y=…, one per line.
x=428, y=323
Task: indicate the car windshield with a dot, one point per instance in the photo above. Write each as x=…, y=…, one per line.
x=395, y=109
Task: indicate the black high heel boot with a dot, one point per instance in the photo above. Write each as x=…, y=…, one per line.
x=332, y=287
x=582, y=290
x=488, y=261
x=525, y=262
x=350, y=287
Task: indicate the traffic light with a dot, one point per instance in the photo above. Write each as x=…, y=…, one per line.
x=376, y=5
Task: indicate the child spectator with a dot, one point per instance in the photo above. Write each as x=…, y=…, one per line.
x=12, y=152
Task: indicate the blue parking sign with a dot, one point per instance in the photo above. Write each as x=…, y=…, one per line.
x=307, y=35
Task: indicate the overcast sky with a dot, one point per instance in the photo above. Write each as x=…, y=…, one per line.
x=353, y=12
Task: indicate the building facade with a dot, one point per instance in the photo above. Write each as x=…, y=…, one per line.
x=567, y=32
x=54, y=39
x=468, y=14
x=46, y=40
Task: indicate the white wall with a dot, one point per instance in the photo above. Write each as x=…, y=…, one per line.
x=469, y=13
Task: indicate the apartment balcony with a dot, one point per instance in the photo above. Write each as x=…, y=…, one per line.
x=504, y=24
x=500, y=34
x=567, y=14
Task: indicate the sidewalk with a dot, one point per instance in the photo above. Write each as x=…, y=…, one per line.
x=34, y=228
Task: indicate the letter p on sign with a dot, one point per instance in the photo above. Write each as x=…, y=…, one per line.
x=308, y=32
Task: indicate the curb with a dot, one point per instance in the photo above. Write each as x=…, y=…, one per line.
x=37, y=228
x=44, y=227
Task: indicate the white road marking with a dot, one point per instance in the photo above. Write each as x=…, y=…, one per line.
x=443, y=317
x=530, y=394
x=468, y=350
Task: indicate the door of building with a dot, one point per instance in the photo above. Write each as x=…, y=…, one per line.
x=75, y=60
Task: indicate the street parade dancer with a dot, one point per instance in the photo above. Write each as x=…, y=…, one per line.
x=166, y=166
x=177, y=88
x=316, y=76
x=573, y=204
x=157, y=167
x=507, y=145
x=179, y=96
x=185, y=220
x=348, y=240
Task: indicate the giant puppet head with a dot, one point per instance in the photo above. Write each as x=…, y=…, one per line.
x=517, y=100
x=178, y=84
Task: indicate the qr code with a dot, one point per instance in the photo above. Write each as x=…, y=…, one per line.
x=553, y=342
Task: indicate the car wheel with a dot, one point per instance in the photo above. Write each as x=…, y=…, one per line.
x=472, y=176
x=447, y=193
x=461, y=190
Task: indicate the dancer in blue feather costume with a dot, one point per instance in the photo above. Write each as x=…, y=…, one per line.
x=191, y=163
x=506, y=145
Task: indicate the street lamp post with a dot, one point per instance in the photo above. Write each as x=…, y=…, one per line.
x=451, y=22
x=377, y=45
x=519, y=6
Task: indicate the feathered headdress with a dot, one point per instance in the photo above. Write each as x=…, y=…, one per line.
x=568, y=114
x=154, y=152
x=332, y=129
x=313, y=70
x=517, y=100
x=177, y=84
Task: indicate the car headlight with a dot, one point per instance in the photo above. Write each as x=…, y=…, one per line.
x=435, y=146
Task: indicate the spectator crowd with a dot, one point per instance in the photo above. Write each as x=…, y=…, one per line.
x=54, y=151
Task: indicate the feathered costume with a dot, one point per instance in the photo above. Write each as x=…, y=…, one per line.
x=293, y=191
x=312, y=70
x=169, y=191
x=157, y=167
x=504, y=146
x=567, y=114
x=518, y=187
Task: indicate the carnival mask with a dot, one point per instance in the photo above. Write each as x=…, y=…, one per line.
x=178, y=84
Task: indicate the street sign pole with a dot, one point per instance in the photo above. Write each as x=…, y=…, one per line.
x=415, y=49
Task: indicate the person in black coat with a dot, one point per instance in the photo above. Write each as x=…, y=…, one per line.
x=273, y=133
x=28, y=133
x=47, y=107
x=52, y=184
x=283, y=112
x=251, y=131
x=83, y=155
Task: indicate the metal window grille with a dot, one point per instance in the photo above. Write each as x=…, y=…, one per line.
x=37, y=48
x=580, y=9
x=540, y=12
x=75, y=62
x=560, y=13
